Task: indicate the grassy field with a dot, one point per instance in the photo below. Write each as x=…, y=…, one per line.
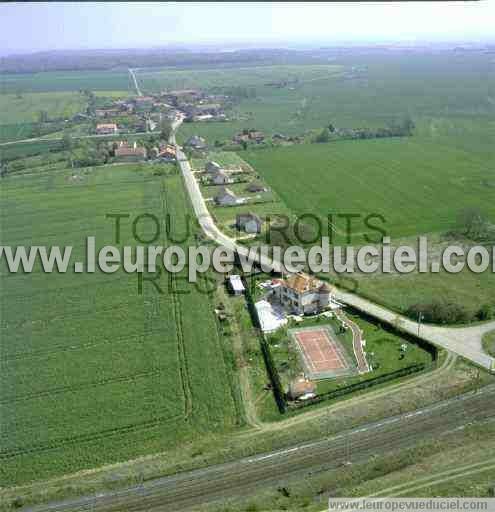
x=93, y=372
x=358, y=91
x=65, y=81
x=400, y=179
x=25, y=108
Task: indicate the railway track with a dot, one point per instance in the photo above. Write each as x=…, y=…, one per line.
x=182, y=491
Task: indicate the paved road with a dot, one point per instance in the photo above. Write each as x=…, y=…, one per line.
x=185, y=490
x=465, y=342
x=134, y=79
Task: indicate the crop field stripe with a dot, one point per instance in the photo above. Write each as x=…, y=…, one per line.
x=184, y=372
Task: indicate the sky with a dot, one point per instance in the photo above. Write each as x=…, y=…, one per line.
x=26, y=27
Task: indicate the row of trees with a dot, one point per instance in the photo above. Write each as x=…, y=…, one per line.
x=403, y=129
x=444, y=312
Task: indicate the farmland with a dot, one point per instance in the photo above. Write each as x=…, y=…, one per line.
x=25, y=108
x=400, y=179
x=355, y=91
x=92, y=371
x=68, y=81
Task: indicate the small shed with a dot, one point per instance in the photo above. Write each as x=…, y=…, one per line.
x=301, y=389
x=235, y=285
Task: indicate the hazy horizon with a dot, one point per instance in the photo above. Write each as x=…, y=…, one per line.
x=29, y=28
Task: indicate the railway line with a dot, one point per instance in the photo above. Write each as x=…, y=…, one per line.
x=185, y=490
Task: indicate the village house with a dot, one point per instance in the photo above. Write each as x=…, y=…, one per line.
x=196, y=142
x=226, y=198
x=106, y=129
x=107, y=112
x=126, y=152
x=256, y=136
x=165, y=152
x=248, y=222
x=212, y=167
x=221, y=178
x=302, y=294
x=239, y=138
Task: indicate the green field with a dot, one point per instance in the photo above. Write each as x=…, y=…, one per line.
x=418, y=185
x=444, y=96
x=65, y=81
x=93, y=372
x=25, y=108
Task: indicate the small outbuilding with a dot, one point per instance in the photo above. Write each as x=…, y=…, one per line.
x=301, y=389
x=235, y=285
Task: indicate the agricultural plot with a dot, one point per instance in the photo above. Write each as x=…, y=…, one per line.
x=65, y=81
x=400, y=179
x=92, y=371
x=25, y=108
x=365, y=91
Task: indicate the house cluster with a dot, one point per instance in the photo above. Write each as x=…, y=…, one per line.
x=246, y=136
x=195, y=105
x=133, y=115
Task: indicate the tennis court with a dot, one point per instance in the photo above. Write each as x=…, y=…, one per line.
x=322, y=354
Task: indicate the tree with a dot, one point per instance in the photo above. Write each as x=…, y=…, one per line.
x=323, y=136
x=165, y=130
x=408, y=126
x=67, y=142
x=43, y=116
x=485, y=312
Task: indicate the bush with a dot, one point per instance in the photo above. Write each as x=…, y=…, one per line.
x=440, y=312
x=485, y=312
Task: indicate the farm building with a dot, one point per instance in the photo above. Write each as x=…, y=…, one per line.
x=106, y=129
x=248, y=222
x=255, y=188
x=235, y=285
x=130, y=152
x=226, y=198
x=222, y=178
x=302, y=294
x=212, y=167
x=196, y=142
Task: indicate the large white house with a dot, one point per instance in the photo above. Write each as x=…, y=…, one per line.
x=302, y=294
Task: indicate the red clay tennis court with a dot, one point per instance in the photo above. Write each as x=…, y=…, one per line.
x=323, y=356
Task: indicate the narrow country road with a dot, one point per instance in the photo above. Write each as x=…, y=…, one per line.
x=134, y=79
x=463, y=341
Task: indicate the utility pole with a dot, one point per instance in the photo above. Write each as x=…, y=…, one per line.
x=420, y=318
